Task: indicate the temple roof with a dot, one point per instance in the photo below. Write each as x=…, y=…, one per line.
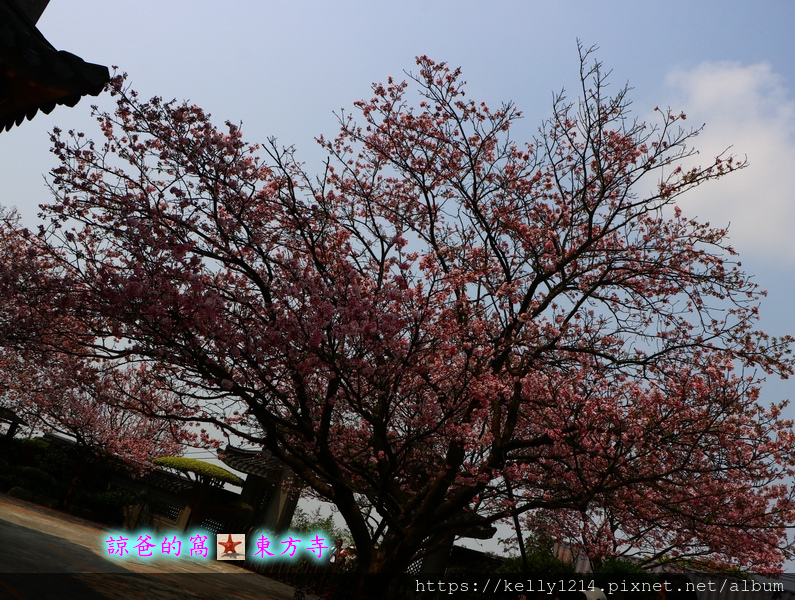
x=9, y=416
x=173, y=482
x=254, y=462
x=34, y=76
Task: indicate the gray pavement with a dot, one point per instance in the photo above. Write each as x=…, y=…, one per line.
x=46, y=554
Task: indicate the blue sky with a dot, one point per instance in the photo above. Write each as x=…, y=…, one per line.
x=282, y=69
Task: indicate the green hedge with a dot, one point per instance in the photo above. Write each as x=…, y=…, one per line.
x=199, y=467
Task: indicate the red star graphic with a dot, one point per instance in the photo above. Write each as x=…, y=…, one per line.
x=229, y=545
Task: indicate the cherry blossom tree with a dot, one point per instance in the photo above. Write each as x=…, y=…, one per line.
x=445, y=327
x=32, y=302
x=49, y=380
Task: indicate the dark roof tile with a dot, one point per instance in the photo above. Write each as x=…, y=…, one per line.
x=34, y=75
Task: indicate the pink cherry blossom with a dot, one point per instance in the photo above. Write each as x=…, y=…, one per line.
x=440, y=312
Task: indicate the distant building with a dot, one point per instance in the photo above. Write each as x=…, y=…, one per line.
x=269, y=493
x=270, y=488
x=13, y=420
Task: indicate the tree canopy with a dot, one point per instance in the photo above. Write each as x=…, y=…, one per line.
x=49, y=378
x=444, y=327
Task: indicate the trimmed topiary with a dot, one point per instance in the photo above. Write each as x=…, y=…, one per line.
x=200, y=468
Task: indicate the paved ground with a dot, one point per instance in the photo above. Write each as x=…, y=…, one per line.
x=46, y=554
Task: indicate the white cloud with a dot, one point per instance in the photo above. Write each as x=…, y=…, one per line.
x=749, y=109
